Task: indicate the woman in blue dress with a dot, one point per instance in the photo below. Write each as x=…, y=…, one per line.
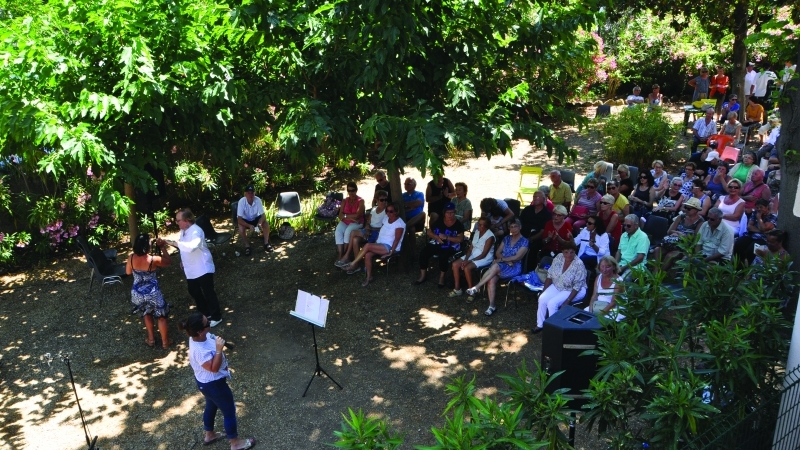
x=507, y=263
x=146, y=296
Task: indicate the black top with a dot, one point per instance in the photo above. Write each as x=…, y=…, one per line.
x=627, y=182
x=440, y=228
x=388, y=190
x=438, y=206
x=533, y=222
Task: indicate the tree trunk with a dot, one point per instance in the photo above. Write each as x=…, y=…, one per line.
x=789, y=141
x=133, y=226
x=739, y=54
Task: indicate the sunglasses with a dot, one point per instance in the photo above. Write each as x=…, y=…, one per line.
x=734, y=187
x=611, y=187
x=686, y=208
x=642, y=178
x=627, y=225
x=589, y=186
x=381, y=199
x=605, y=203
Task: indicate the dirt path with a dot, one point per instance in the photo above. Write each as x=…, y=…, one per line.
x=393, y=346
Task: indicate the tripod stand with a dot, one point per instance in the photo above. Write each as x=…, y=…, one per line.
x=91, y=442
x=318, y=371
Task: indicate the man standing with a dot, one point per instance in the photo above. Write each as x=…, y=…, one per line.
x=716, y=242
x=383, y=185
x=633, y=246
x=749, y=81
x=250, y=214
x=560, y=192
x=702, y=129
x=761, y=83
x=198, y=266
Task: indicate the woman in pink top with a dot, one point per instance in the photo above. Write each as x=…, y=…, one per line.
x=351, y=217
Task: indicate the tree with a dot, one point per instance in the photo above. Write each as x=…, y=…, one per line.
x=116, y=86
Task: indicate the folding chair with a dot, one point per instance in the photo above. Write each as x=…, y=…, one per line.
x=86, y=248
x=213, y=237
x=656, y=228
x=288, y=205
x=387, y=260
x=514, y=205
x=530, y=186
x=105, y=271
x=730, y=155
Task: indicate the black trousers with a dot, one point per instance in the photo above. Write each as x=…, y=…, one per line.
x=205, y=297
x=429, y=250
x=743, y=248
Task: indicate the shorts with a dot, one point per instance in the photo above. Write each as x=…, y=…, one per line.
x=255, y=221
x=373, y=236
x=388, y=247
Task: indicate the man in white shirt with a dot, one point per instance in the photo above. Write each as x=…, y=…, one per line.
x=635, y=98
x=702, y=129
x=198, y=266
x=749, y=82
x=250, y=214
x=760, y=89
x=787, y=73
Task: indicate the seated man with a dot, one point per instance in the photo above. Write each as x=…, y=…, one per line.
x=534, y=217
x=769, y=143
x=716, y=239
x=702, y=129
x=635, y=98
x=732, y=105
x=414, y=202
x=560, y=192
x=633, y=246
x=250, y=215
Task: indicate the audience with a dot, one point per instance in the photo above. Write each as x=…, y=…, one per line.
x=249, y=215
x=478, y=255
x=744, y=170
x=670, y=204
x=565, y=284
x=507, y=264
x=755, y=189
x=438, y=194
x=621, y=204
x=593, y=243
x=414, y=202
x=684, y=225
x=390, y=240
x=717, y=184
x=702, y=130
x=607, y=287
x=463, y=205
x=587, y=204
x=699, y=193
x=560, y=192
x=774, y=247
x=732, y=206
x=611, y=220
x=445, y=236
x=382, y=185
x=686, y=178
x=660, y=178
x=761, y=222
x=369, y=233
x=633, y=246
x=625, y=181
x=716, y=239
x=351, y=218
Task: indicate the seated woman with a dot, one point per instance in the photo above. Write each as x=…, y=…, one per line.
x=499, y=215
x=369, y=234
x=655, y=98
x=587, y=204
x=612, y=222
x=607, y=287
x=351, y=218
x=478, y=255
x=699, y=192
x=621, y=204
x=556, y=231
x=463, y=206
x=687, y=177
x=389, y=241
x=743, y=171
x=732, y=206
x=670, y=204
x=626, y=184
x=732, y=127
x=686, y=224
x=565, y=284
x=445, y=236
x=773, y=249
x=593, y=243
x=599, y=177
x=761, y=222
x=643, y=196
x=660, y=178
x=717, y=184
x=507, y=263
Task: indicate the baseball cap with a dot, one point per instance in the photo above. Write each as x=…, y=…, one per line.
x=751, y=64
x=712, y=156
x=250, y=188
x=450, y=207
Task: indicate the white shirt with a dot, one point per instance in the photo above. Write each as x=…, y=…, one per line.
x=376, y=218
x=478, y=244
x=386, y=236
x=633, y=99
x=202, y=352
x=249, y=211
x=704, y=129
x=601, y=240
x=761, y=82
x=749, y=80
x=195, y=256
x=773, y=136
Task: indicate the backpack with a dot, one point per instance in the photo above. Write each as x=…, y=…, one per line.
x=329, y=207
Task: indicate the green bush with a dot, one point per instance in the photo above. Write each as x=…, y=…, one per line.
x=637, y=136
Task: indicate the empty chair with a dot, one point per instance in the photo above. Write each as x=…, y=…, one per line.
x=602, y=111
x=86, y=248
x=634, y=174
x=104, y=270
x=213, y=237
x=730, y=155
x=529, y=179
x=513, y=205
x=568, y=176
x=288, y=205
x=656, y=228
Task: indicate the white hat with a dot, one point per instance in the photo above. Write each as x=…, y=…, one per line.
x=712, y=156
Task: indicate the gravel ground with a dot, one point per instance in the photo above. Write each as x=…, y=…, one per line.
x=393, y=346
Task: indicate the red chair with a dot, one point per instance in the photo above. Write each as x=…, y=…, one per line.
x=730, y=154
x=722, y=141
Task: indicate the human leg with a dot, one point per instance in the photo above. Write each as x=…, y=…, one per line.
x=243, y=227
x=491, y=289
x=148, y=324
x=425, y=256
x=356, y=241
x=196, y=292
x=338, y=235
x=468, y=273
x=493, y=270
x=456, y=267
x=219, y=397
x=368, y=261
x=549, y=302
x=163, y=329
x=376, y=249
x=210, y=296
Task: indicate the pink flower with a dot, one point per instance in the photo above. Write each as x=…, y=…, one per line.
x=245, y=165
x=89, y=172
x=2, y=236
x=352, y=162
x=226, y=202
x=258, y=170
x=168, y=223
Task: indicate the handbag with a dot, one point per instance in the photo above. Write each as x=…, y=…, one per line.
x=599, y=306
x=329, y=207
x=579, y=212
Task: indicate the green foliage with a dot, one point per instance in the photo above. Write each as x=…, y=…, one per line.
x=637, y=136
x=8, y=242
x=193, y=178
x=682, y=355
x=367, y=433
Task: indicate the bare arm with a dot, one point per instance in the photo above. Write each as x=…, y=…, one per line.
x=214, y=364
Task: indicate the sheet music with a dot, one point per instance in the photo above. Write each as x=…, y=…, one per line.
x=311, y=308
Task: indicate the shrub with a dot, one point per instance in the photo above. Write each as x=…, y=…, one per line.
x=636, y=137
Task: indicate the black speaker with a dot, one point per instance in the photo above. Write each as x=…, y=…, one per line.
x=566, y=335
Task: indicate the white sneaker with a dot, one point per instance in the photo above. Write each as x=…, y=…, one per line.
x=472, y=291
x=214, y=323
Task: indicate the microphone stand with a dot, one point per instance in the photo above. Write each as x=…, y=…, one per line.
x=90, y=442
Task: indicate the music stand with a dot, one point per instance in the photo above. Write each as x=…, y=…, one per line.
x=313, y=310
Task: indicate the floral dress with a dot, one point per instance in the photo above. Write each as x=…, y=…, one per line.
x=146, y=295
x=511, y=270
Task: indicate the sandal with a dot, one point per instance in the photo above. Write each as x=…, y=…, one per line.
x=490, y=311
x=247, y=251
x=354, y=270
x=268, y=248
x=366, y=282
x=150, y=344
x=217, y=437
x=248, y=443
x=168, y=344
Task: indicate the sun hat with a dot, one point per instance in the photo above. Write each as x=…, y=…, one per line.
x=693, y=203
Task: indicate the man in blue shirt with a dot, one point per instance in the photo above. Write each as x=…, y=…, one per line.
x=414, y=202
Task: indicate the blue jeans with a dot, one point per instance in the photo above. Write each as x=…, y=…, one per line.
x=219, y=396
